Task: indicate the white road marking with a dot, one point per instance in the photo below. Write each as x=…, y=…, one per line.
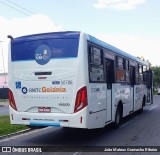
x=76, y=153
x=153, y=107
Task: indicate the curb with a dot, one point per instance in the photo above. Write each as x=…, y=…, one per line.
x=16, y=133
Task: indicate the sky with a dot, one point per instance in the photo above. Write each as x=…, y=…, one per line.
x=130, y=25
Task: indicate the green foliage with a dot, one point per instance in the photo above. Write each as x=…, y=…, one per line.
x=7, y=128
x=156, y=70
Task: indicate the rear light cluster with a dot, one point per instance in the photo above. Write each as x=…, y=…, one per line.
x=11, y=100
x=81, y=99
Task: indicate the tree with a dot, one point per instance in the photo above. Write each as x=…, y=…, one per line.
x=156, y=79
x=143, y=59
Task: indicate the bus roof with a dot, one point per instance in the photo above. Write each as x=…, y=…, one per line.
x=75, y=34
x=116, y=50
x=66, y=34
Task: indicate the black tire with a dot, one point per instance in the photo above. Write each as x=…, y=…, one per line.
x=143, y=104
x=118, y=117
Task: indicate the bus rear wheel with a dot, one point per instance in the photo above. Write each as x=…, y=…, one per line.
x=118, y=117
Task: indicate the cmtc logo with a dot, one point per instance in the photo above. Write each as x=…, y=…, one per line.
x=43, y=90
x=24, y=90
x=42, y=54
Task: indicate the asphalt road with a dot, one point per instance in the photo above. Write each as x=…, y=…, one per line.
x=137, y=130
x=4, y=110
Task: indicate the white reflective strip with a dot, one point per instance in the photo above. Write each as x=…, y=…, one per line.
x=153, y=107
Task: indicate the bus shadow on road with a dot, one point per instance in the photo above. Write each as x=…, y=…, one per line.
x=68, y=136
x=77, y=137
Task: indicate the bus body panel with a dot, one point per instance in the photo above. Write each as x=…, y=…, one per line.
x=132, y=101
x=48, y=85
x=79, y=119
x=138, y=96
x=97, y=105
x=109, y=106
x=121, y=93
x=54, y=92
x=97, y=97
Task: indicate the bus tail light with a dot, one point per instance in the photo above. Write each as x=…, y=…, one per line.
x=81, y=99
x=11, y=100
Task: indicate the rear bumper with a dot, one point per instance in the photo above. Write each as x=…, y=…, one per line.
x=76, y=120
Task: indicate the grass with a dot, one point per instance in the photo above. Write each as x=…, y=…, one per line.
x=7, y=128
x=4, y=100
x=155, y=92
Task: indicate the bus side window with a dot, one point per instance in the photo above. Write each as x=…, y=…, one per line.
x=120, y=71
x=137, y=74
x=141, y=74
x=96, y=73
x=144, y=74
x=110, y=78
x=96, y=69
x=132, y=75
x=127, y=70
x=149, y=77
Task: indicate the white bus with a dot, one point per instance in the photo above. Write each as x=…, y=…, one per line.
x=71, y=79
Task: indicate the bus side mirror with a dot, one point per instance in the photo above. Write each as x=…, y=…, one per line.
x=10, y=37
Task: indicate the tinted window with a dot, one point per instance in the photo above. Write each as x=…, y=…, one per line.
x=96, y=73
x=120, y=63
x=58, y=48
x=96, y=56
x=95, y=65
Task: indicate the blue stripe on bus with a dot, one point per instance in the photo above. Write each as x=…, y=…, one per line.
x=44, y=124
x=114, y=49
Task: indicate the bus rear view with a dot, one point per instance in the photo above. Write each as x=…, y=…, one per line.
x=72, y=79
x=44, y=85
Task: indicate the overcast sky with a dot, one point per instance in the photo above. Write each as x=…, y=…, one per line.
x=131, y=25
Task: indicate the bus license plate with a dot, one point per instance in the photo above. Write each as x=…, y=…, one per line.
x=44, y=109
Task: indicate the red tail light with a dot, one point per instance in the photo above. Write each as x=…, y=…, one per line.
x=81, y=99
x=11, y=100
